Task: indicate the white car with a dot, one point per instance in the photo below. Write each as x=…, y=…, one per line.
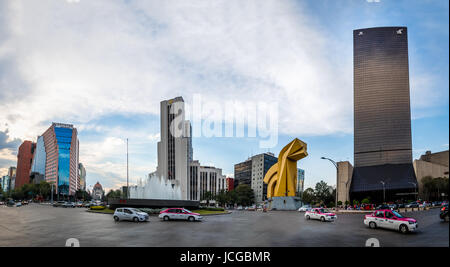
x=130, y=214
x=179, y=214
x=390, y=219
x=304, y=208
x=18, y=204
x=320, y=214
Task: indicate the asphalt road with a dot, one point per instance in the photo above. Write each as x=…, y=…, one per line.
x=40, y=225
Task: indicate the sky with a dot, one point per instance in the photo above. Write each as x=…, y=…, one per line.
x=104, y=66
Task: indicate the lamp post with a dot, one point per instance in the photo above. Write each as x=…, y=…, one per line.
x=384, y=194
x=415, y=189
x=337, y=179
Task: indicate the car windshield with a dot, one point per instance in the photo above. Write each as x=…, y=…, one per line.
x=398, y=215
x=136, y=210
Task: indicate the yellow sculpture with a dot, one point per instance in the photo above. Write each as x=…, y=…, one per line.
x=281, y=178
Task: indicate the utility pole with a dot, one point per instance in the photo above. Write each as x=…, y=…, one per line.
x=127, y=171
x=384, y=194
x=337, y=179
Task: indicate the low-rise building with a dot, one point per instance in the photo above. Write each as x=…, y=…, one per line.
x=432, y=165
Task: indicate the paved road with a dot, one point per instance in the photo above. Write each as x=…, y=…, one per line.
x=40, y=225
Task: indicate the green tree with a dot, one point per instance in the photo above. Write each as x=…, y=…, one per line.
x=221, y=198
x=308, y=196
x=208, y=196
x=232, y=197
x=245, y=195
x=324, y=193
x=365, y=201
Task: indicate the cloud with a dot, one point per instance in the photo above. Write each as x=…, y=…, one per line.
x=5, y=143
x=99, y=57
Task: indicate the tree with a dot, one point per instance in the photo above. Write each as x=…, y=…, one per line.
x=208, y=195
x=245, y=195
x=324, y=193
x=232, y=198
x=308, y=196
x=221, y=198
x=365, y=201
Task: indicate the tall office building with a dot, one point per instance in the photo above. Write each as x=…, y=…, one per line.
x=12, y=173
x=82, y=176
x=57, y=158
x=300, y=180
x=382, y=117
x=175, y=148
x=204, y=179
x=252, y=172
x=24, y=161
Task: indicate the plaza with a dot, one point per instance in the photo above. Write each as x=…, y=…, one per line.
x=39, y=225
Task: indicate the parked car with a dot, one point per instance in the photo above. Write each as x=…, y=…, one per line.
x=58, y=203
x=179, y=214
x=390, y=219
x=130, y=214
x=304, y=208
x=412, y=205
x=436, y=203
x=79, y=204
x=444, y=213
x=19, y=204
x=320, y=214
x=68, y=205
x=383, y=207
x=10, y=203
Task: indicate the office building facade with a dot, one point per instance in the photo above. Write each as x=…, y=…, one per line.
x=24, y=162
x=175, y=148
x=204, y=179
x=252, y=172
x=300, y=181
x=382, y=117
x=57, y=158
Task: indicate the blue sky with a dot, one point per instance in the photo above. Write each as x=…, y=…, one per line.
x=104, y=66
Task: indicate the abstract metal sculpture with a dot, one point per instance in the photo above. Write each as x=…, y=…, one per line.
x=281, y=178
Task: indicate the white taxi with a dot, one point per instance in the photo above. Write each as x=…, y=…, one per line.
x=320, y=214
x=390, y=219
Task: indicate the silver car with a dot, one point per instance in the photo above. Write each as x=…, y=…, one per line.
x=130, y=214
x=179, y=214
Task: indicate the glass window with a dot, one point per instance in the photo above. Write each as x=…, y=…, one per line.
x=389, y=214
x=380, y=214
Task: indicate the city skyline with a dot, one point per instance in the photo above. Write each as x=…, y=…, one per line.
x=316, y=71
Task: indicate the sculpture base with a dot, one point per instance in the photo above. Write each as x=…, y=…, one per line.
x=285, y=203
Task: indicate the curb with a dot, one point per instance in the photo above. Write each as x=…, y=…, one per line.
x=224, y=213
x=99, y=212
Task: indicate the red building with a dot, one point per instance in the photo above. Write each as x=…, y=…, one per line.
x=230, y=184
x=24, y=159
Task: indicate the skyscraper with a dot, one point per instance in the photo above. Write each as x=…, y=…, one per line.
x=382, y=117
x=175, y=148
x=252, y=172
x=24, y=160
x=56, y=157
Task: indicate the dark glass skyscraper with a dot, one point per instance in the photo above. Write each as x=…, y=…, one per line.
x=382, y=117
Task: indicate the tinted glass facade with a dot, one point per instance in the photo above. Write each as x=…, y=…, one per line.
x=64, y=139
x=243, y=173
x=382, y=117
x=382, y=120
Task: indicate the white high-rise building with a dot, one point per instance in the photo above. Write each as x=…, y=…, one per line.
x=204, y=179
x=175, y=147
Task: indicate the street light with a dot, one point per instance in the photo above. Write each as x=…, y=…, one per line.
x=384, y=191
x=337, y=178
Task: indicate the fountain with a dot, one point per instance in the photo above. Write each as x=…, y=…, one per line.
x=156, y=187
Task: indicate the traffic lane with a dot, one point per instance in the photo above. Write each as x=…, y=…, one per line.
x=48, y=226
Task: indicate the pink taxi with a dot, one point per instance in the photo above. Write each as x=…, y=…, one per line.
x=390, y=219
x=320, y=214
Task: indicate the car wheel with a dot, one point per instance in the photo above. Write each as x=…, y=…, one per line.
x=191, y=219
x=116, y=218
x=372, y=225
x=307, y=217
x=403, y=229
x=322, y=219
x=166, y=218
x=135, y=219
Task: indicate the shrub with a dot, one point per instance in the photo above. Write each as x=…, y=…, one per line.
x=98, y=207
